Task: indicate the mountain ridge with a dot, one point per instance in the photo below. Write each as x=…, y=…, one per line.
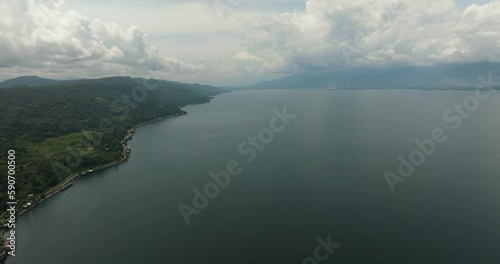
x=451, y=76
x=28, y=80
x=36, y=81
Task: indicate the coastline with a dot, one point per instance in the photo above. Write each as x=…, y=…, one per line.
x=68, y=182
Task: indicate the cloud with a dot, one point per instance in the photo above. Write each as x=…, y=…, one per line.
x=264, y=38
x=244, y=56
x=49, y=37
x=336, y=34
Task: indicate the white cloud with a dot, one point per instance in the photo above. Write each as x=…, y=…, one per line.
x=51, y=38
x=244, y=56
x=333, y=34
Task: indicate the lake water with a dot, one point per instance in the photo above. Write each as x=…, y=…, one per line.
x=322, y=176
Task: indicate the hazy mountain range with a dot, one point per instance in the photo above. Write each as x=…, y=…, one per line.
x=457, y=76
x=28, y=81
x=451, y=76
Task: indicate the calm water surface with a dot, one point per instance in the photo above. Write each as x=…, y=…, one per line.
x=322, y=176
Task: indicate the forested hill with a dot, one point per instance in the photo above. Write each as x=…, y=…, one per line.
x=27, y=81
x=73, y=126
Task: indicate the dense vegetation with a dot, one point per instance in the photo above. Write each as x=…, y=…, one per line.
x=73, y=126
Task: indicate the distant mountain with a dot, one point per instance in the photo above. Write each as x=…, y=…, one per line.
x=29, y=81
x=34, y=81
x=457, y=76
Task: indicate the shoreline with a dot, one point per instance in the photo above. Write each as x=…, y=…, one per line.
x=68, y=182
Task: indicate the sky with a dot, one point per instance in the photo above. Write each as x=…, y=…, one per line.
x=239, y=42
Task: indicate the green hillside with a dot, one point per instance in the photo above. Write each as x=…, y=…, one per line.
x=73, y=126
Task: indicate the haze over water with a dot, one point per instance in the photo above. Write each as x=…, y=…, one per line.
x=322, y=176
